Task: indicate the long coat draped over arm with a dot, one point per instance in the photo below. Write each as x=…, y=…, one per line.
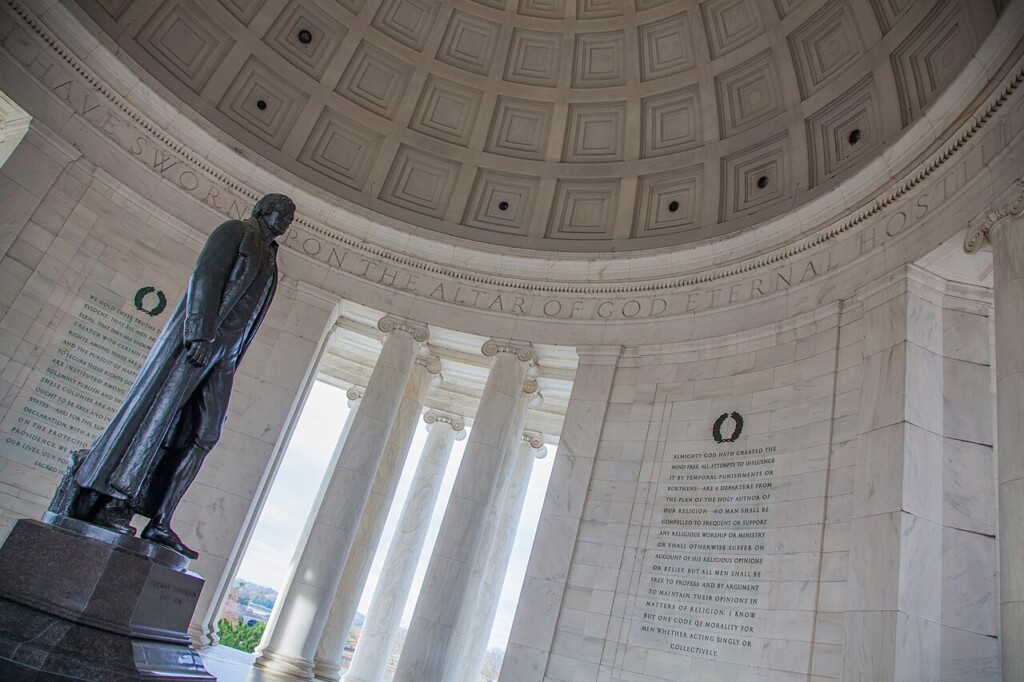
x=133, y=440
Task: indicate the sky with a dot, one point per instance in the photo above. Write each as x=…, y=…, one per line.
x=277, y=532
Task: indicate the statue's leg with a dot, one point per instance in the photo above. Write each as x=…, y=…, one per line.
x=208, y=408
x=115, y=515
x=159, y=528
x=86, y=504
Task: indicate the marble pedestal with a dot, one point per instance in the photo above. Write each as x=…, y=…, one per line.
x=78, y=602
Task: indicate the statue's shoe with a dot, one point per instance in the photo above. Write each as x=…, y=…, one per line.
x=162, y=535
x=115, y=519
x=118, y=525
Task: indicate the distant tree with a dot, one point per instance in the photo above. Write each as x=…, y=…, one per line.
x=265, y=600
x=491, y=667
x=239, y=635
x=232, y=610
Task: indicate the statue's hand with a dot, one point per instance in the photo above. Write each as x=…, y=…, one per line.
x=199, y=352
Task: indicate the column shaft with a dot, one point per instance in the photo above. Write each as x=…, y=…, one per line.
x=354, y=395
x=1004, y=228
x=382, y=621
x=463, y=627
x=428, y=653
x=497, y=562
x=1008, y=272
x=327, y=660
x=301, y=612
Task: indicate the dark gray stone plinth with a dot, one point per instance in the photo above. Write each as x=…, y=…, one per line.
x=77, y=605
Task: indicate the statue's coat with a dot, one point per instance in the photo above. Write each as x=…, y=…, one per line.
x=126, y=459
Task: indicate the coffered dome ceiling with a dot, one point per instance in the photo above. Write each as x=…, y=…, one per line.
x=560, y=125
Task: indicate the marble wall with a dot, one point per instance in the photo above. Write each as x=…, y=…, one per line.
x=848, y=531
x=921, y=584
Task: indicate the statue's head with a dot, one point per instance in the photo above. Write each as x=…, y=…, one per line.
x=276, y=211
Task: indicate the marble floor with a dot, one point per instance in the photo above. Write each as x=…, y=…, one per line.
x=231, y=665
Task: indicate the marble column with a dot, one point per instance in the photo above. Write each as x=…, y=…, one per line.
x=327, y=661
x=352, y=398
x=530, y=448
x=298, y=620
x=1003, y=227
x=463, y=628
x=430, y=651
x=382, y=621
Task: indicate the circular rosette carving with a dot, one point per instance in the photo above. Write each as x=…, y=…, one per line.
x=354, y=394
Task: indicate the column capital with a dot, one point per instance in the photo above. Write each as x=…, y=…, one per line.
x=457, y=423
x=353, y=394
x=523, y=351
x=1010, y=204
x=417, y=330
x=535, y=440
x=431, y=363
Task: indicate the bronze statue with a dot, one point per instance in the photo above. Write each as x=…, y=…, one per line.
x=151, y=451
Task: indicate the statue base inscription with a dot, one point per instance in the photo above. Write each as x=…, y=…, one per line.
x=78, y=602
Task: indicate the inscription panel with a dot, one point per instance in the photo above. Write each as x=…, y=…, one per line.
x=729, y=546
x=98, y=352
x=709, y=563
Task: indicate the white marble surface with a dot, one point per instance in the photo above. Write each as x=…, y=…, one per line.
x=491, y=535
x=1007, y=238
x=920, y=467
x=327, y=661
x=511, y=508
x=428, y=653
x=300, y=614
x=380, y=630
